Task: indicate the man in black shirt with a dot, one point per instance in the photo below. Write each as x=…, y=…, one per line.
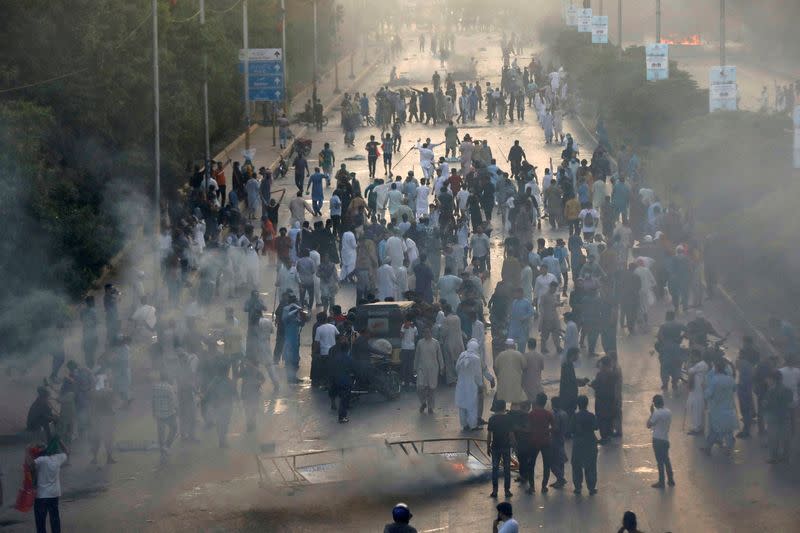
x=372, y=154
x=515, y=156
x=584, y=447
x=500, y=428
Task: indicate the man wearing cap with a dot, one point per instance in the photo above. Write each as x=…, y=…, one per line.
x=401, y=516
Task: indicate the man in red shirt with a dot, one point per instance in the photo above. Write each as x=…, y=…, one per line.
x=283, y=246
x=455, y=182
x=541, y=423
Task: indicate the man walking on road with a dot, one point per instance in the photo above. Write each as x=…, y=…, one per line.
x=584, y=448
x=165, y=411
x=326, y=160
x=372, y=154
x=48, y=487
x=658, y=423
x=300, y=171
x=498, y=444
x=428, y=365
x=317, y=196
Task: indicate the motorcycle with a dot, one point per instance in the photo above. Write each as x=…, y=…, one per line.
x=379, y=375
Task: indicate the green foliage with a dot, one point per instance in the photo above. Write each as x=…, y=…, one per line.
x=76, y=127
x=635, y=111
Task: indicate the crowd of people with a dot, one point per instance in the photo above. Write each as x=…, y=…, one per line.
x=427, y=238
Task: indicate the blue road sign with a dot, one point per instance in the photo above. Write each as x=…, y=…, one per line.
x=274, y=94
x=259, y=82
x=263, y=68
x=266, y=80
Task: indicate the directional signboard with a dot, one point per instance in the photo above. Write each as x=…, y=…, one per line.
x=723, y=90
x=572, y=16
x=267, y=94
x=585, y=20
x=262, y=54
x=657, y=60
x=600, y=30
x=265, y=70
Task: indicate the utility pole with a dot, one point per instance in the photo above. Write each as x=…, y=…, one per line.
x=619, y=26
x=314, y=76
x=285, y=72
x=363, y=32
x=601, y=8
x=336, y=89
x=156, y=154
x=246, y=43
x=658, y=21
x=205, y=96
x=722, y=33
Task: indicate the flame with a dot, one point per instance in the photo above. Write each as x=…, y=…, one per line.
x=692, y=40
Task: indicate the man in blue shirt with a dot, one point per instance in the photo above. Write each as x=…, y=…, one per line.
x=315, y=183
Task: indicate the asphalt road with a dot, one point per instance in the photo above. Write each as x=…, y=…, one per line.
x=205, y=489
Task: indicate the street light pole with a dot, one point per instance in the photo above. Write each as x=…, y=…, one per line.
x=156, y=153
x=619, y=28
x=246, y=43
x=658, y=21
x=285, y=72
x=205, y=96
x=722, y=33
x=314, y=76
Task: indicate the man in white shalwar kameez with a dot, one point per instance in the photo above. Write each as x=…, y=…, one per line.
x=452, y=344
x=448, y=289
x=348, y=255
x=423, y=191
x=395, y=250
x=387, y=281
x=287, y=279
x=695, y=402
x=412, y=252
x=428, y=365
x=293, y=233
x=479, y=334
x=426, y=157
x=470, y=379
x=647, y=295
x=401, y=277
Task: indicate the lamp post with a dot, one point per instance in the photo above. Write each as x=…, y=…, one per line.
x=722, y=33
x=314, y=75
x=156, y=153
x=658, y=21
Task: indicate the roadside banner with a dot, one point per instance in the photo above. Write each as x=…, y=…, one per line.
x=656, y=58
x=723, y=90
x=600, y=29
x=585, y=20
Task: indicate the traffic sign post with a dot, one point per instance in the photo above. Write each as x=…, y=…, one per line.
x=657, y=61
x=267, y=82
x=600, y=29
x=723, y=91
x=585, y=20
